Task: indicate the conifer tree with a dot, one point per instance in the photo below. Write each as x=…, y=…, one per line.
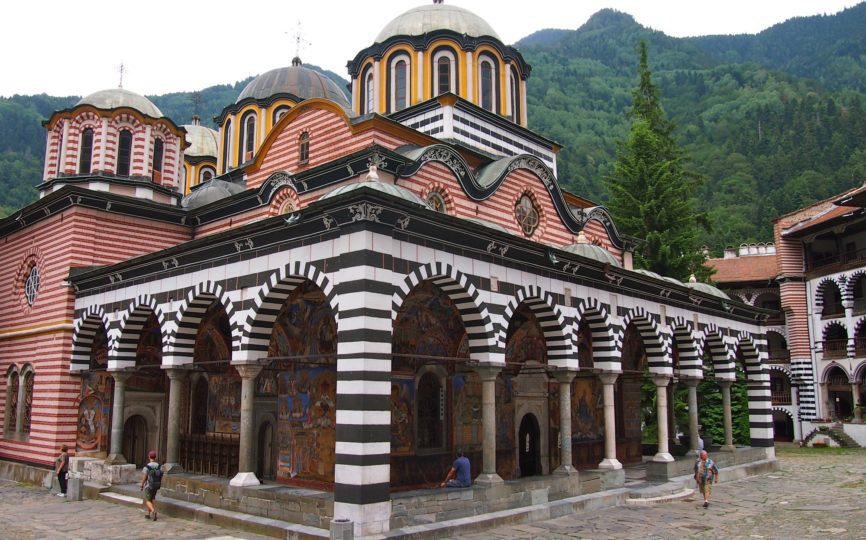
x=652, y=193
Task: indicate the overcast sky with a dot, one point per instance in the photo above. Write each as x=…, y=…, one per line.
x=63, y=47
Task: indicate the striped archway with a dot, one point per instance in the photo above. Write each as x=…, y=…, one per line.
x=181, y=341
x=604, y=346
x=561, y=345
x=657, y=351
x=131, y=324
x=91, y=320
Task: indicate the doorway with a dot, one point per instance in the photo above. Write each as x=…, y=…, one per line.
x=529, y=453
x=265, y=452
x=135, y=440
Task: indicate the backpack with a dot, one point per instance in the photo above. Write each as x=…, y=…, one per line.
x=154, y=477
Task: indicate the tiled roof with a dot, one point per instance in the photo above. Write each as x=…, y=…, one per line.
x=743, y=269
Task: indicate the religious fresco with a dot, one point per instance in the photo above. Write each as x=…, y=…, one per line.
x=554, y=442
x=525, y=339
x=213, y=354
x=506, y=462
x=469, y=429
x=149, y=377
x=587, y=402
x=303, y=377
x=224, y=404
x=428, y=325
x=402, y=415
x=94, y=400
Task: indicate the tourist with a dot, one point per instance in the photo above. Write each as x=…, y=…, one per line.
x=458, y=476
x=61, y=467
x=706, y=473
x=151, y=481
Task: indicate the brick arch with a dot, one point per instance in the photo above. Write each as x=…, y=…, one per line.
x=821, y=290
x=683, y=338
x=721, y=354
x=483, y=343
x=784, y=410
x=283, y=194
x=851, y=282
x=181, y=341
x=561, y=344
x=828, y=325
x=783, y=369
x=131, y=324
x=83, y=332
x=604, y=346
x=256, y=334
x=758, y=384
x=656, y=346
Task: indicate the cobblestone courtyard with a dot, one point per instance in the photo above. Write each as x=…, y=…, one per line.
x=815, y=494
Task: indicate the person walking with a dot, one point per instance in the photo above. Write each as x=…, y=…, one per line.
x=61, y=468
x=151, y=481
x=706, y=473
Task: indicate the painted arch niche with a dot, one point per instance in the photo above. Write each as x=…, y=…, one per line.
x=94, y=401
x=587, y=401
x=301, y=380
x=634, y=407
x=435, y=404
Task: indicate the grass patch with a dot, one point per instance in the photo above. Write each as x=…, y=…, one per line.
x=854, y=484
x=810, y=451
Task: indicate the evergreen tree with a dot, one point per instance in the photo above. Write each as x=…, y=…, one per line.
x=652, y=193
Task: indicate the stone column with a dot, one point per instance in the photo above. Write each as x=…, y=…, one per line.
x=488, y=474
x=609, y=461
x=729, y=424
x=176, y=376
x=694, y=431
x=661, y=382
x=246, y=460
x=115, y=456
x=565, y=378
x=855, y=394
x=829, y=411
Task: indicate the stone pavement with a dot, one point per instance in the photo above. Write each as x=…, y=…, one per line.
x=814, y=494
x=30, y=512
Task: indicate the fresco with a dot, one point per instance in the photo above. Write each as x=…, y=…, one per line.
x=402, y=415
x=148, y=358
x=94, y=400
x=428, y=325
x=224, y=404
x=587, y=401
x=303, y=378
x=525, y=339
x=469, y=430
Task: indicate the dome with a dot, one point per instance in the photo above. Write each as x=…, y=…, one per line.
x=437, y=16
x=390, y=189
x=297, y=80
x=120, y=97
x=202, y=140
x=583, y=248
x=208, y=192
x=658, y=276
x=705, y=288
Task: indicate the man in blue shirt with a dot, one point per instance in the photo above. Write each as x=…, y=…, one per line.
x=458, y=476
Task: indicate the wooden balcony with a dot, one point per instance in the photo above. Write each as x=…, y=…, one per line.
x=779, y=356
x=835, y=348
x=781, y=397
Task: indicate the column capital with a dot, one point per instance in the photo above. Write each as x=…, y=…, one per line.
x=176, y=372
x=691, y=383
x=487, y=372
x=725, y=384
x=120, y=376
x=248, y=371
x=565, y=376
x=661, y=380
x=608, y=377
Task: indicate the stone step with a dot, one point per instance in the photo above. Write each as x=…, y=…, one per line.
x=124, y=495
x=656, y=491
x=683, y=493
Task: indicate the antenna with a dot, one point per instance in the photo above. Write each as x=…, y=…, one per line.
x=121, y=70
x=299, y=42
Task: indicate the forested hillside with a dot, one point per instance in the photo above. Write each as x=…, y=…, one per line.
x=774, y=120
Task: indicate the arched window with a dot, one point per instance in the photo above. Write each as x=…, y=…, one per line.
x=124, y=152
x=60, y=150
x=304, y=148
x=514, y=96
x=227, y=144
x=248, y=138
x=526, y=214
x=280, y=112
x=430, y=412
x=205, y=174
x=367, y=91
x=27, y=402
x=11, y=411
x=487, y=84
x=85, y=156
x=399, y=81
x=437, y=202
x=444, y=72
x=158, y=151
x=31, y=285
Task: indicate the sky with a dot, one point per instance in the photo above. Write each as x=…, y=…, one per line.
x=61, y=47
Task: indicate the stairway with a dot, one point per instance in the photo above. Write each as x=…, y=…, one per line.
x=845, y=441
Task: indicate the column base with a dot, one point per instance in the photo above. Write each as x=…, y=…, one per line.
x=115, y=459
x=489, y=479
x=565, y=470
x=172, y=468
x=728, y=448
x=612, y=464
x=663, y=457
x=243, y=479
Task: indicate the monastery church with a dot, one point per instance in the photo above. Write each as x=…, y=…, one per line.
x=339, y=288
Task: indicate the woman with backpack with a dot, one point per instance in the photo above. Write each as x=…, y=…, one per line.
x=151, y=481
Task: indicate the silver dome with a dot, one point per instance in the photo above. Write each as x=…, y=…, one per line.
x=593, y=252
x=209, y=192
x=297, y=80
x=430, y=17
x=202, y=141
x=120, y=97
x=390, y=189
x=707, y=289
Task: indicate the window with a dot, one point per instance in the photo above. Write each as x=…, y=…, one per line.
x=59, y=151
x=437, y=202
x=28, y=401
x=31, y=286
x=287, y=207
x=158, y=151
x=280, y=112
x=86, y=155
x=367, y=91
x=526, y=214
x=430, y=412
x=514, y=96
x=400, y=81
x=444, y=72
x=124, y=153
x=206, y=174
x=248, y=138
x=11, y=419
x=304, y=148
x=486, y=90
x=227, y=144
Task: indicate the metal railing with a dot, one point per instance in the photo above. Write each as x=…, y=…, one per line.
x=835, y=348
x=779, y=355
x=781, y=397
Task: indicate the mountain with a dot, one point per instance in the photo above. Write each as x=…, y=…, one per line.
x=774, y=121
